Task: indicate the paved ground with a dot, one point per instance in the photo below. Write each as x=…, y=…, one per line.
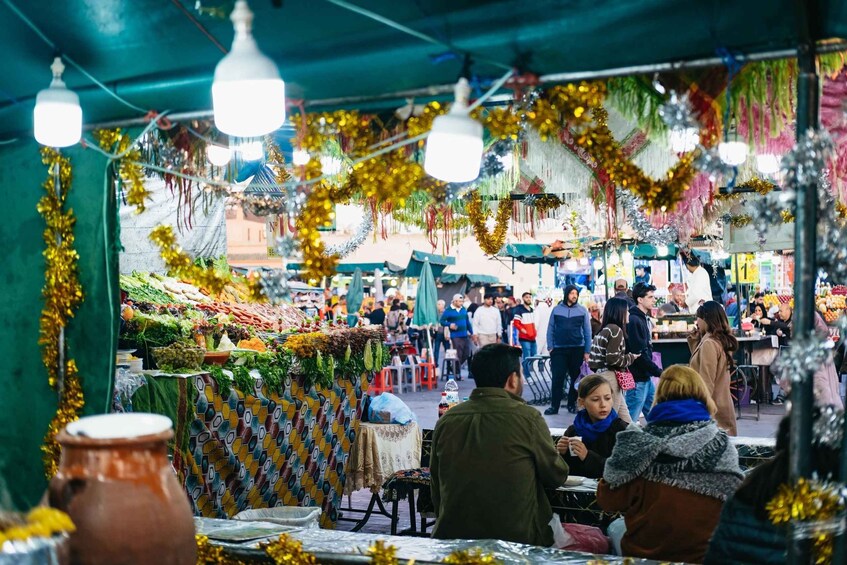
x=425, y=406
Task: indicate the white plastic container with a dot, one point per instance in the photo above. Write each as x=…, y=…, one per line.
x=294, y=516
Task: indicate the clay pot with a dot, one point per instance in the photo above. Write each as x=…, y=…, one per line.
x=115, y=482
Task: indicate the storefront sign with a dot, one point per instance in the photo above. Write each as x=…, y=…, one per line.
x=744, y=264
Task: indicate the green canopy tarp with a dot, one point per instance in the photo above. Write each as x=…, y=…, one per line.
x=437, y=262
x=531, y=253
x=365, y=268
x=473, y=280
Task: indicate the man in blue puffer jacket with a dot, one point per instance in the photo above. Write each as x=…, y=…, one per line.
x=569, y=341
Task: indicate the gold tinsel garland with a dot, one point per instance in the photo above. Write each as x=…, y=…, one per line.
x=209, y=554
x=288, y=551
x=416, y=125
x=179, y=263
x=62, y=295
x=808, y=502
x=382, y=554
x=491, y=243
x=129, y=171
x=471, y=557
x=41, y=522
x=502, y=123
x=662, y=195
x=758, y=184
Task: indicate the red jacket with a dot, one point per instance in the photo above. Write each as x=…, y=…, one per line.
x=525, y=323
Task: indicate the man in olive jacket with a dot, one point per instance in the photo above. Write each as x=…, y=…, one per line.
x=492, y=457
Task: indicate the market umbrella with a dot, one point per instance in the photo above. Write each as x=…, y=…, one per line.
x=378, y=292
x=355, y=296
x=426, y=312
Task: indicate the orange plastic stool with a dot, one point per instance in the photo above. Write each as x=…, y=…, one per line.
x=383, y=382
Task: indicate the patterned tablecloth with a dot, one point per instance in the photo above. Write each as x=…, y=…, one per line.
x=380, y=450
x=234, y=451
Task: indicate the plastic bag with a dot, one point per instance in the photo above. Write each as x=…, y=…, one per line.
x=389, y=409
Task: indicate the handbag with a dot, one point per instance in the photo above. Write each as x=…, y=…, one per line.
x=625, y=380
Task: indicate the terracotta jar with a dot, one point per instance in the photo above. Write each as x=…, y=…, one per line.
x=116, y=483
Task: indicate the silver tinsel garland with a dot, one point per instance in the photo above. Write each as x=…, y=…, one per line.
x=766, y=212
x=678, y=113
x=809, y=157
x=358, y=238
x=275, y=285
x=806, y=354
x=709, y=161
x=828, y=427
x=287, y=248
x=644, y=230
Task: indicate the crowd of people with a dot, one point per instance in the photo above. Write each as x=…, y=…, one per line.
x=676, y=481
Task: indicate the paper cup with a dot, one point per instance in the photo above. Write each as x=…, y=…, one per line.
x=570, y=445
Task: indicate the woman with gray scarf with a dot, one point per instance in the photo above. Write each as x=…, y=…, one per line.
x=671, y=479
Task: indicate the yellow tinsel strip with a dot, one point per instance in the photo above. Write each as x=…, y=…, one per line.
x=288, y=551
x=471, y=557
x=179, y=263
x=131, y=173
x=758, y=184
x=491, y=243
x=62, y=295
x=807, y=501
x=41, y=522
x=208, y=554
x=416, y=125
x=382, y=554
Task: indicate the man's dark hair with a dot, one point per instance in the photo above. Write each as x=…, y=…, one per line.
x=488, y=295
x=641, y=289
x=380, y=303
x=525, y=293
x=492, y=365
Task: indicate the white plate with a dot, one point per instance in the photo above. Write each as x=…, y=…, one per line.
x=574, y=480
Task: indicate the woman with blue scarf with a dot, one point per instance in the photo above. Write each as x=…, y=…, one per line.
x=671, y=479
x=589, y=441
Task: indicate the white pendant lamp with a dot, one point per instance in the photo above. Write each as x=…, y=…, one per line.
x=614, y=257
x=454, y=146
x=626, y=256
x=662, y=250
x=733, y=153
x=767, y=164
x=218, y=155
x=57, y=119
x=248, y=95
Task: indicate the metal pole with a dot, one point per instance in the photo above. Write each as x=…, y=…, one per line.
x=805, y=228
x=605, y=273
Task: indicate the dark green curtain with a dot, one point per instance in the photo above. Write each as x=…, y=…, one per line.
x=27, y=403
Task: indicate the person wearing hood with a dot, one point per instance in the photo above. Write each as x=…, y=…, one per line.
x=671, y=480
x=569, y=343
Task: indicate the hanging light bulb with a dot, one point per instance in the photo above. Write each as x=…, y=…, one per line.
x=454, y=146
x=626, y=256
x=218, y=155
x=57, y=118
x=598, y=264
x=662, y=250
x=614, y=257
x=300, y=157
x=684, y=139
x=251, y=150
x=767, y=164
x=248, y=95
x=733, y=153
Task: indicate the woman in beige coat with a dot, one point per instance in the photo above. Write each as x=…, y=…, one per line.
x=712, y=347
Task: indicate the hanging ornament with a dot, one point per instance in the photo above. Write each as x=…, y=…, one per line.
x=806, y=351
x=356, y=241
x=490, y=243
x=492, y=165
x=770, y=211
x=678, y=113
x=274, y=285
x=644, y=230
x=708, y=161
x=808, y=159
x=287, y=247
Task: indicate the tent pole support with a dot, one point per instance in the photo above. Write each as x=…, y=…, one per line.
x=805, y=228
